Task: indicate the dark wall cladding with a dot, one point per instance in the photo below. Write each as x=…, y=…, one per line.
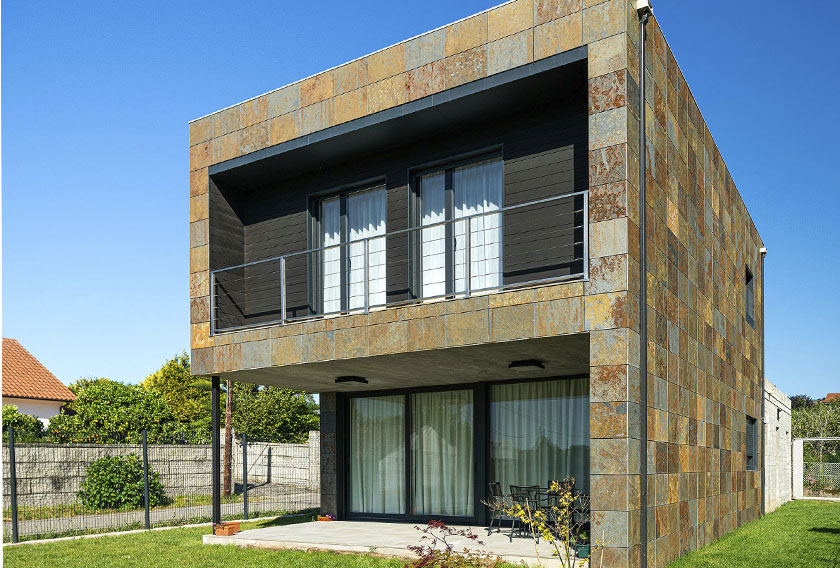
x=543, y=141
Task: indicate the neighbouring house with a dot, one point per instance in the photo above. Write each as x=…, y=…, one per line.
x=29, y=385
x=831, y=397
x=444, y=240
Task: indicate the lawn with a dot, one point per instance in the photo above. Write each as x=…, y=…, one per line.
x=802, y=534
x=172, y=548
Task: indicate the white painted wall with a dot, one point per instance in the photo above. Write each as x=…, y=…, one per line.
x=43, y=409
x=777, y=448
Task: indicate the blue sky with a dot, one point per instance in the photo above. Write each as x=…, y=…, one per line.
x=97, y=96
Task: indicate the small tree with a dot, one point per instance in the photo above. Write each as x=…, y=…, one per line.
x=27, y=428
x=110, y=412
x=176, y=385
x=273, y=414
x=117, y=483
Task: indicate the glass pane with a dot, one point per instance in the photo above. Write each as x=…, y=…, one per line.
x=478, y=189
x=366, y=218
x=331, y=258
x=539, y=432
x=432, y=195
x=442, y=453
x=377, y=454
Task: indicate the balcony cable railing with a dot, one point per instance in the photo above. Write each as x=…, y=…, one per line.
x=330, y=278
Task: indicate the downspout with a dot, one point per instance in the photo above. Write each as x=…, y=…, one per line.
x=763, y=252
x=644, y=11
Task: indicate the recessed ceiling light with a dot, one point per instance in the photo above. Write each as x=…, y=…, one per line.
x=351, y=379
x=526, y=365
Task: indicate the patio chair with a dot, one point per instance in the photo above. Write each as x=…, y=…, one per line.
x=497, y=500
x=526, y=496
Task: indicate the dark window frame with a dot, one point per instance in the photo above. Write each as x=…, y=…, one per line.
x=447, y=165
x=749, y=296
x=315, y=238
x=751, y=443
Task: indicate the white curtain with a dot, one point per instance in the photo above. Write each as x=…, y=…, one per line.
x=478, y=189
x=442, y=449
x=539, y=432
x=433, y=197
x=366, y=218
x=377, y=454
x=331, y=258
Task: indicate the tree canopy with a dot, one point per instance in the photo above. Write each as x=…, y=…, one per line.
x=273, y=414
x=178, y=389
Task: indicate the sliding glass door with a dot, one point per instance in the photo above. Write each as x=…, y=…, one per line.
x=348, y=219
x=442, y=453
x=539, y=432
x=449, y=195
x=377, y=455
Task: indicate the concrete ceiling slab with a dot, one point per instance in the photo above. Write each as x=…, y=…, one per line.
x=562, y=355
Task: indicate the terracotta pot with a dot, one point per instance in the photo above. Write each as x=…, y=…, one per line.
x=226, y=529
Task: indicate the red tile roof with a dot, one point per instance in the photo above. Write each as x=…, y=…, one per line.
x=832, y=396
x=25, y=377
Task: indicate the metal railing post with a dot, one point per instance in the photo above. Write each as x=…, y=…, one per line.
x=146, y=479
x=13, y=483
x=586, y=235
x=215, y=471
x=282, y=290
x=367, y=275
x=467, y=259
x=245, y=475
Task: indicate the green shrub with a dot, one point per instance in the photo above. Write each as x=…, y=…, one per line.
x=27, y=428
x=108, y=412
x=117, y=483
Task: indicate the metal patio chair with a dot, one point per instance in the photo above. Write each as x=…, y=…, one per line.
x=527, y=497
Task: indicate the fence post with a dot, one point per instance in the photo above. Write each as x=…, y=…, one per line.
x=245, y=474
x=13, y=483
x=146, y=479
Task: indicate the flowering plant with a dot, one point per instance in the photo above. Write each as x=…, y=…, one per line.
x=437, y=551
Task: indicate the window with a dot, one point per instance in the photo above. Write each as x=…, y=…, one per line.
x=456, y=193
x=348, y=219
x=750, y=297
x=752, y=441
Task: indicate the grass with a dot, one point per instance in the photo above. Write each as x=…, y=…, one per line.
x=178, y=547
x=800, y=534
x=27, y=513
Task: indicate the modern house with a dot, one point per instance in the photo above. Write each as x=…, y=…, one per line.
x=466, y=246
x=29, y=385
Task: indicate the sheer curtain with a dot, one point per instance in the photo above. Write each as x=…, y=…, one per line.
x=478, y=189
x=366, y=218
x=539, y=431
x=442, y=450
x=331, y=258
x=433, y=197
x=377, y=454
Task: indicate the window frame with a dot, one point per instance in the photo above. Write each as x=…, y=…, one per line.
x=749, y=296
x=750, y=431
x=315, y=239
x=447, y=166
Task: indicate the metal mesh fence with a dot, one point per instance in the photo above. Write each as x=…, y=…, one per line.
x=68, y=489
x=821, y=469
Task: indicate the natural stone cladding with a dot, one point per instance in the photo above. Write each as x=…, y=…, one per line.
x=703, y=358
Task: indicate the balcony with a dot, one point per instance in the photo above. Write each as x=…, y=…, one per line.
x=532, y=243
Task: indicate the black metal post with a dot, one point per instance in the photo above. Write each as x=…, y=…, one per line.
x=245, y=474
x=146, y=480
x=13, y=483
x=215, y=473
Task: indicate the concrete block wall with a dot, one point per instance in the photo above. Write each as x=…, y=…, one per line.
x=777, y=447
x=52, y=474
